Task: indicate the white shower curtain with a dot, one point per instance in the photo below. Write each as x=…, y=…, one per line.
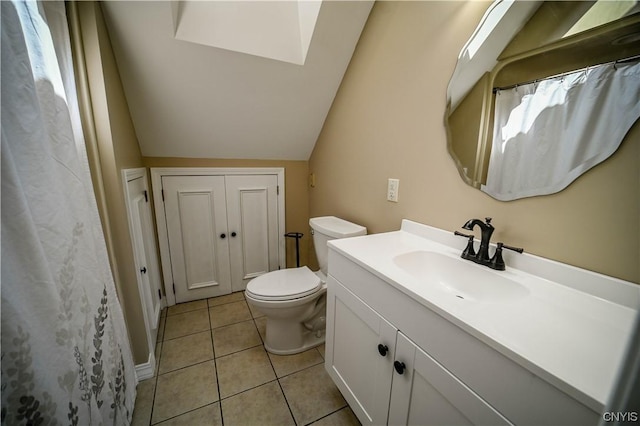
x=546, y=134
x=65, y=352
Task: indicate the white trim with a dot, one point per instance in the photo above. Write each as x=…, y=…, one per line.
x=163, y=239
x=131, y=174
x=146, y=370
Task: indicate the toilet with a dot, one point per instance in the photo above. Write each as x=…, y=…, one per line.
x=294, y=300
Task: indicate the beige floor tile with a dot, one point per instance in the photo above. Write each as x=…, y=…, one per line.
x=261, y=323
x=322, y=349
x=227, y=298
x=235, y=337
x=144, y=402
x=187, y=323
x=287, y=364
x=311, y=394
x=161, y=324
x=344, y=417
x=229, y=313
x=254, y=311
x=157, y=354
x=184, y=351
x=184, y=390
x=205, y=416
x=264, y=405
x=181, y=308
x=243, y=370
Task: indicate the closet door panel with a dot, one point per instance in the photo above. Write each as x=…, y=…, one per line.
x=252, y=213
x=195, y=209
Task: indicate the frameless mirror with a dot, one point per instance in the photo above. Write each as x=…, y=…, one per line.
x=520, y=42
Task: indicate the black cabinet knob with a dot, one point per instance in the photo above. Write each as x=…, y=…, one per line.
x=233, y=234
x=383, y=349
x=399, y=366
x=143, y=270
x=223, y=236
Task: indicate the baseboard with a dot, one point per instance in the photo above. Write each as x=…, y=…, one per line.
x=146, y=370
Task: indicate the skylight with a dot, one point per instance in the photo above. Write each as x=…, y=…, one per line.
x=486, y=28
x=602, y=12
x=280, y=30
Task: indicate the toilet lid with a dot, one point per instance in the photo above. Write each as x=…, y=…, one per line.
x=284, y=284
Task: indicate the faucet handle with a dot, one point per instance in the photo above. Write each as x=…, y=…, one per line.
x=460, y=234
x=516, y=249
x=497, y=262
x=488, y=220
x=469, y=252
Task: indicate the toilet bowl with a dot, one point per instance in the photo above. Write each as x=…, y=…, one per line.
x=294, y=300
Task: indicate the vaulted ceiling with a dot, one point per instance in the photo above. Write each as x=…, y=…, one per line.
x=193, y=100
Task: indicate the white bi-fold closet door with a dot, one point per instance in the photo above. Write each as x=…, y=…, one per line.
x=222, y=230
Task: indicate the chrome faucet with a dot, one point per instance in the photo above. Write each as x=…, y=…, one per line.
x=482, y=256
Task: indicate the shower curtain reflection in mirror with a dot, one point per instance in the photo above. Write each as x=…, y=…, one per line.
x=547, y=133
x=65, y=352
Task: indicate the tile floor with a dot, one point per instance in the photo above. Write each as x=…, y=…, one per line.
x=211, y=369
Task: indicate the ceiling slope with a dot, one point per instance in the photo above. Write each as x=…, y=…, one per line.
x=192, y=100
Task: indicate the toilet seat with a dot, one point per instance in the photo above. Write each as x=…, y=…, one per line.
x=285, y=284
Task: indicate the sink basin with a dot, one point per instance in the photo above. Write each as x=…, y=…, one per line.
x=461, y=278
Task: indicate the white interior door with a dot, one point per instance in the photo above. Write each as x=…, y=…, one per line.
x=150, y=249
x=144, y=246
x=252, y=215
x=196, y=218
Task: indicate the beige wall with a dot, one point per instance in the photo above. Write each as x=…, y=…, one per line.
x=296, y=192
x=387, y=122
x=117, y=147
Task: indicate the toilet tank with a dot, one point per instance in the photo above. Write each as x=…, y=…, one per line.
x=327, y=228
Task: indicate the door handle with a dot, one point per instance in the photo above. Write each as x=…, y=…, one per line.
x=223, y=236
x=233, y=234
x=143, y=270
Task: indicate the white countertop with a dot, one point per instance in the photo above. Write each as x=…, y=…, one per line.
x=572, y=338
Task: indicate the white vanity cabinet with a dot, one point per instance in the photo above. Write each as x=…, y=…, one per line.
x=361, y=370
x=386, y=378
x=425, y=393
x=449, y=377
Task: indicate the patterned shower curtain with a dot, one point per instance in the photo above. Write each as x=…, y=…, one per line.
x=65, y=352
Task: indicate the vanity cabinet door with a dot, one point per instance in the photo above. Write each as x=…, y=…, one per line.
x=360, y=348
x=423, y=392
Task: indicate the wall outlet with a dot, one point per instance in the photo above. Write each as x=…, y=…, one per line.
x=392, y=190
